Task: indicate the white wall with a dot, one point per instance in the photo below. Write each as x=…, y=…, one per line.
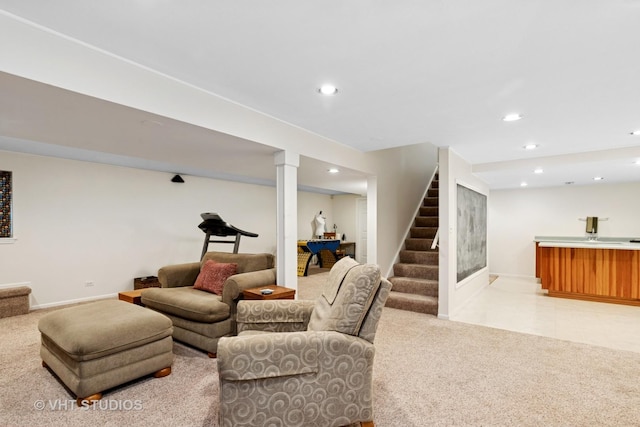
x=78, y=221
x=344, y=215
x=339, y=210
x=309, y=205
x=453, y=295
x=516, y=216
x=34, y=53
x=403, y=175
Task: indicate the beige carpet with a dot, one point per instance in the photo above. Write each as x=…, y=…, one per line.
x=428, y=372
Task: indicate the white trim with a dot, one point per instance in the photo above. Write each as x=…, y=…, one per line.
x=14, y=285
x=361, y=204
x=73, y=301
x=471, y=187
x=372, y=221
x=483, y=270
x=515, y=276
x=471, y=297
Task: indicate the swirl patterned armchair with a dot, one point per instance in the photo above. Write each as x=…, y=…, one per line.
x=305, y=363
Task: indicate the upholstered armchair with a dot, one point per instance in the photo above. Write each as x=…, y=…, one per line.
x=201, y=316
x=305, y=363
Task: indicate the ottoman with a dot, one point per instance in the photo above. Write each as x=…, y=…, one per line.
x=97, y=346
x=14, y=301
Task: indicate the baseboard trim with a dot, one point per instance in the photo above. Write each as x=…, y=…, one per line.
x=515, y=276
x=14, y=285
x=73, y=301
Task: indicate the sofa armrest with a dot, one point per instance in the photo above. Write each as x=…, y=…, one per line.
x=274, y=315
x=252, y=357
x=178, y=275
x=235, y=284
x=267, y=356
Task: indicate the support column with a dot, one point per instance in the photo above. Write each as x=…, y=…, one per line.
x=287, y=164
x=372, y=219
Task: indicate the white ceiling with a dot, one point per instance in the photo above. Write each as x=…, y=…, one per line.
x=42, y=119
x=437, y=71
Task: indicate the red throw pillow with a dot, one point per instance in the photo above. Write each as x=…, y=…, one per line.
x=213, y=275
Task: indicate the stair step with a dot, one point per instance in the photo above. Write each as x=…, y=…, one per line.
x=417, y=271
x=429, y=211
x=412, y=302
x=413, y=244
x=408, y=285
x=419, y=257
x=430, y=201
x=423, y=232
x=426, y=221
x=415, y=281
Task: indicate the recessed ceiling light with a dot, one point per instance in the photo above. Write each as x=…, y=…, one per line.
x=531, y=146
x=598, y=178
x=523, y=184
x=538, y=170
x=333, y=170
x=512, y=117
x=636, y=132
x=328, y=89
x=637, y=162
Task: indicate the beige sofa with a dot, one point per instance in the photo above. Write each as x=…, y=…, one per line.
x=200, y=318
x=305, y=363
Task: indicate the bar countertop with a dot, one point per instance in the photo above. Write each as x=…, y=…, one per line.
x=623, y=243
x=603, y=270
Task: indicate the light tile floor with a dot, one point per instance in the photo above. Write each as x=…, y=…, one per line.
x=519, y=304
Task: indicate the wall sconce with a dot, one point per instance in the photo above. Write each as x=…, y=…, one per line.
x=177, y=178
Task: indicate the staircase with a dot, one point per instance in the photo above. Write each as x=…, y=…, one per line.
x=415, y=280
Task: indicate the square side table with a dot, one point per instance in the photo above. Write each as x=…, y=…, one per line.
x=279, y=292
x=134, y=297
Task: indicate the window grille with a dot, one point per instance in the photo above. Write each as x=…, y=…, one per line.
x=5, y=204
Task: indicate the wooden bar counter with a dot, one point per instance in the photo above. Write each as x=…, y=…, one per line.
x=604, y=271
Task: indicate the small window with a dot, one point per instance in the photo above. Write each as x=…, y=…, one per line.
x=5, y=204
